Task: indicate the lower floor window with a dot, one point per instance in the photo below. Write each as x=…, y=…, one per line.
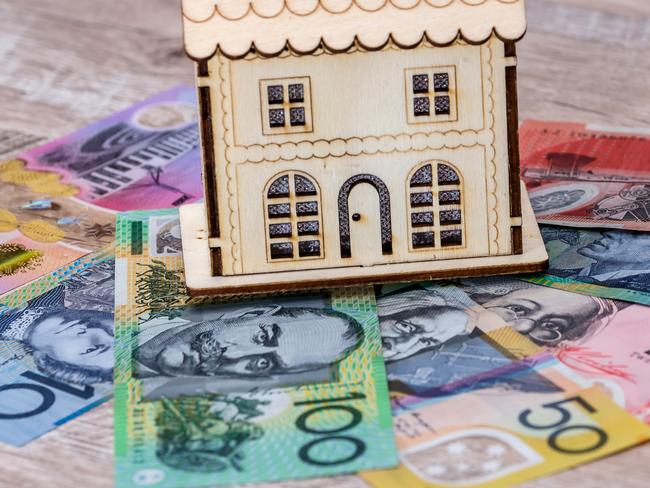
x=293, y=219
x=435, y=202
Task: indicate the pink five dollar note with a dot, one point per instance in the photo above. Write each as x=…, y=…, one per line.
x=58, y=200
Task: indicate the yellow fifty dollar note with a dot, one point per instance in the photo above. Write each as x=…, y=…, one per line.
x=523, y=426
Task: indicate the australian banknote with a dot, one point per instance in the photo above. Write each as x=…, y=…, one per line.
x=607, y=342
x=508, y=432
x=438, y=341
x=603, y=263
x=59, y=200
x=230, y=403
x=56, y=348
x=587, y=178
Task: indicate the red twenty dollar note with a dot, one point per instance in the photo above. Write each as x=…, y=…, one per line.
x=581, y=177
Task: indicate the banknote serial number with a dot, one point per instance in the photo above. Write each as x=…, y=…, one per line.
x=337, y=434
x=560, y=428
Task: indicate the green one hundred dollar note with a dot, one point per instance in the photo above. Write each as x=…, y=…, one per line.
x=211, y=393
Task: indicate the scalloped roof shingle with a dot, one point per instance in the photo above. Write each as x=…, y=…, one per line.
x=237, y=26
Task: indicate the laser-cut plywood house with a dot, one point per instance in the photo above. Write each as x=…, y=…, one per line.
x=350, y=141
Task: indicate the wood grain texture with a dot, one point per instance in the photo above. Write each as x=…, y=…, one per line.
x=200, y=282
x=237, y=26
x=359, y=154
x=65, y=64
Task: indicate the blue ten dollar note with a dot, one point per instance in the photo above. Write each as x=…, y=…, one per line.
x=56, y=348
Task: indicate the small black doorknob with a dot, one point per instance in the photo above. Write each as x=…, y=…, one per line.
x=356, y=217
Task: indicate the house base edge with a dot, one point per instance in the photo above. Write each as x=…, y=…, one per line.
x=201, y=282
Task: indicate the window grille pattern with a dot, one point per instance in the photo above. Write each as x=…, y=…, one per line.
x=431, y=95
x=286, y=106
x=293, y=220
x=435, y=205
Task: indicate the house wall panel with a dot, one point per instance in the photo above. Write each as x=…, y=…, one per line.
x=358, y=94
x=331, y=174
x=364, y=130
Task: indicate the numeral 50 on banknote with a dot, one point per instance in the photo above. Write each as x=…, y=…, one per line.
x=498, y=437
x=563, y=437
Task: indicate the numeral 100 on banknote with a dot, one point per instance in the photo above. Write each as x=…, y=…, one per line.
x=326, y=436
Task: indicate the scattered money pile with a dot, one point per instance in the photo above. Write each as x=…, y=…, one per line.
x=482, y=382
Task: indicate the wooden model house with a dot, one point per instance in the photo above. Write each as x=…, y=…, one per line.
x=351, y=141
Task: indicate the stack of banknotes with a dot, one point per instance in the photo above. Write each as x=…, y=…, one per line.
x=482, y=382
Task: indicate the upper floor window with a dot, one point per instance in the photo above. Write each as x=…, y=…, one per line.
x=436, y=197
x=286, y=105
x=294, y=225
x=431, y=95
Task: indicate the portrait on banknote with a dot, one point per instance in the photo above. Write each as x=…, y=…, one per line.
x=416, y=320
x=617, y=259
x=237, y=391
x=433, y=343
x=548, y=316
x=165, y=236
x=236, y=348
x=600, y=339
x=68, y=330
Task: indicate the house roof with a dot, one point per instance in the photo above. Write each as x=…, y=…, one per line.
x=237, y=26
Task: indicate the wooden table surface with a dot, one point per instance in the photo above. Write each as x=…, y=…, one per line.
x=66, y=63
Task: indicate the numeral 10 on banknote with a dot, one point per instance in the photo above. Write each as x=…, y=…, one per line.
x=325, y=436
x=44, y=390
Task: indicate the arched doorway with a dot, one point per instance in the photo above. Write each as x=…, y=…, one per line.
x=384, y=213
